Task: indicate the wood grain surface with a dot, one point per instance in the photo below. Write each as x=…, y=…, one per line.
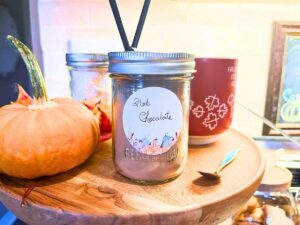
x=94, y=193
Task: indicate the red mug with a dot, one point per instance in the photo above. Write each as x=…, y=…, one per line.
x=212, y=99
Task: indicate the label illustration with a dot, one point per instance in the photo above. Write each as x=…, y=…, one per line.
x=152, y=120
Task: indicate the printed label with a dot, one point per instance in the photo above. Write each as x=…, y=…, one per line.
x=152, y=120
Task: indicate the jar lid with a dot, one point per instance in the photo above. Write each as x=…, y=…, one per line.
x=278, y=179
x=151, y=63
x=86, y=60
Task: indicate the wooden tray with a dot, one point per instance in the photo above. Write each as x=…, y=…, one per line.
x=94, y=193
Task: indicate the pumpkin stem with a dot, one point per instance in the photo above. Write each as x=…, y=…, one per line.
x=34, y=70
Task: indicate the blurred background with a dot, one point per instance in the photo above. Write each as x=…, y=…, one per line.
x=208, y=28
x=230, y=29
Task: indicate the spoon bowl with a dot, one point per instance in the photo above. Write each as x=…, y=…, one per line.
x=209, y=175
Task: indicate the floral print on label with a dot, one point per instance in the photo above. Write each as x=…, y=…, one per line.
x=152, y=120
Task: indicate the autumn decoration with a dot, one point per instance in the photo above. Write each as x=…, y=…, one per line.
x=43, y=137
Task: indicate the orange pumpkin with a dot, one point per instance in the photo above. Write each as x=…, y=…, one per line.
x=48, y=136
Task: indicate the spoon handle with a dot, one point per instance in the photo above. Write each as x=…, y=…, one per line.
x=228, y=159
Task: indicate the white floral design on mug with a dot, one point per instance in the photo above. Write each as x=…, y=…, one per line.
x=212, y=102
x=198, y=111
x=211, y=121
x=230, y=100
x=222, y=110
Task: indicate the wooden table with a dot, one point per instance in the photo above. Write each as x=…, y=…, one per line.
x=94, y=193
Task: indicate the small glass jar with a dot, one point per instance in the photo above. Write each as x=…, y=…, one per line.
x=90, y=81
x=272, y=203
x=274, y=196
x=151, y=93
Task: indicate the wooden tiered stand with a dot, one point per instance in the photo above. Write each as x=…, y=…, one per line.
x=95, y=194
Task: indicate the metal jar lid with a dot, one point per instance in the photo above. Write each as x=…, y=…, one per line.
x=86, y=60
x=151, y=63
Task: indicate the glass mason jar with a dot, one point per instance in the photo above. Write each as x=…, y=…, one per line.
x=90, y=81
x=274, y=196
x=272, y=203
x=151, y=93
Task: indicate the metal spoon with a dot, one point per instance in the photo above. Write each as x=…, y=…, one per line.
x=228, y=159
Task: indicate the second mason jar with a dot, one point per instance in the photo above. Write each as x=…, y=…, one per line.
x=90, y=81
x=151, y=93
